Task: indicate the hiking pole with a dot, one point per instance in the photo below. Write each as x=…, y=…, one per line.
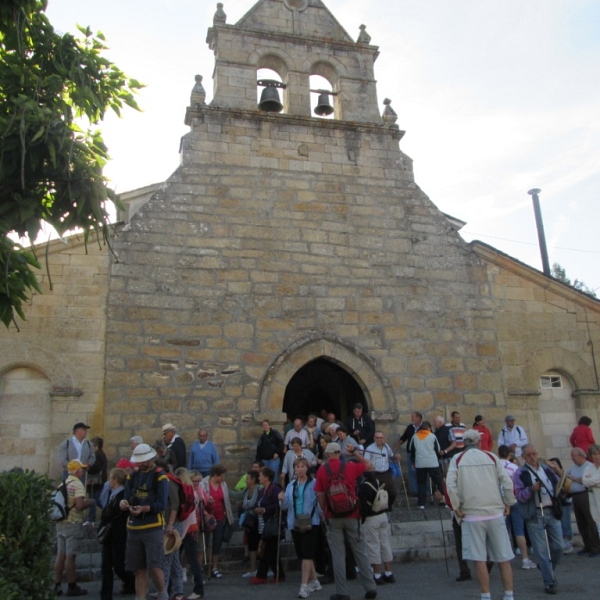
x=443, y=538
x=404, y=486
x=544, y=525
x=278, y=544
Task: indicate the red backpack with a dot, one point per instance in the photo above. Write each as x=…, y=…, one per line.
x=341, y=497
x=187, y=500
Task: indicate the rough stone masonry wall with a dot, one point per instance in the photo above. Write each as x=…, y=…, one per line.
x=273, y=229
x=52, y=370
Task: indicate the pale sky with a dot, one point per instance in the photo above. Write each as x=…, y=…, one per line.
x=496, y=97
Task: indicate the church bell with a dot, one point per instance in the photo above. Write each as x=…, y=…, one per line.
x=269, y=98
x=323, y=108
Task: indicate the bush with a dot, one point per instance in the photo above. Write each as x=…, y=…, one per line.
x=26, y=536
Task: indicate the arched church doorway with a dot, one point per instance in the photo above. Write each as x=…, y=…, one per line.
x=322, y=384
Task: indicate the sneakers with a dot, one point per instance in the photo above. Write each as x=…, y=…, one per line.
x=216, y=574
x=249, y=574
x=517, y=551
x=314, y=585
x=76, y=591
x=421, y=507
x=568, y=547
x=528, y=564
x=389, y=578
x=194, y=596
x=304, y=591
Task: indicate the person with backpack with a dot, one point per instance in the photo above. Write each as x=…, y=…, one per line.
x=336, y=491
x=77, y=447
x=69, y=531
x=145, y=498
x=382, y=457
x=374, y=506
x=481, y=494
x=424, y=450
x=514, y=437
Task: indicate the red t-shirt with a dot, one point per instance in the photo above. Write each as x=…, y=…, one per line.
x=352, y=472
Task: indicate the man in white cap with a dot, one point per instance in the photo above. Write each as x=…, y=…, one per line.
x=344, y=525
x=481, y=494
x=514, y=437
x=69, y=532
x=176, y=444
x=146, y=494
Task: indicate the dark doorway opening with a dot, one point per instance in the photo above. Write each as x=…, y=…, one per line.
x=322, y=384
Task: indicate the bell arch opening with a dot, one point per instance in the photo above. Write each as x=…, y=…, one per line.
x=321, y=384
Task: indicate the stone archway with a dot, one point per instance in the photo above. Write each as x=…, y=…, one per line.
x=320, y=349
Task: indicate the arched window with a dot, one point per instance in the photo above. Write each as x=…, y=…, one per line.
x=319, y=99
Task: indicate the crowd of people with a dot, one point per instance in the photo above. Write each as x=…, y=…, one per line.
x=325, y=482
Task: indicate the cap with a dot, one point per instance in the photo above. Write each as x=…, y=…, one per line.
x=168, y=427
x=80, y=425
x=142, y=453
x=124, y=464
x=74, y=465
x=509, y=418
x=472, y=435
x=332, y=448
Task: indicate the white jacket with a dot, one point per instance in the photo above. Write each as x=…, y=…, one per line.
x=517, y=435
x=478, y=484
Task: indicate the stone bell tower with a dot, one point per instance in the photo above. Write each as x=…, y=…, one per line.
x=296, y=39
x=290, y=263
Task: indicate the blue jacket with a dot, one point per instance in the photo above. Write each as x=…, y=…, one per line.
x=528, y=500
x=202, y=459
x=310, y=502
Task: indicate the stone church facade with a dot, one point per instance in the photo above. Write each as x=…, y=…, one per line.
x=290, y=263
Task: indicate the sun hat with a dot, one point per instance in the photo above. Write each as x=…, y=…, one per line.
x=172, y=541
x=142, y=453
x=168, y=427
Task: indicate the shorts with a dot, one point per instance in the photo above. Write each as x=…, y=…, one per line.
x=145, y=549
x=377, y=536
x=305, y=543
x=69, y=538
x=486, y=540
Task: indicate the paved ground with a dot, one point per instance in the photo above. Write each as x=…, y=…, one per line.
x=578, y=578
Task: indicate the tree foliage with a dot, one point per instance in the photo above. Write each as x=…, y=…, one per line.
x=54, y=89
x=559, y=272
x=26, y=536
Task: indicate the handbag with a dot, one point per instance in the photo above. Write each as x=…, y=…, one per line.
x=271, y=529
x=302, y=523
x=209, y=522
x=103, y=534
x=250, y=520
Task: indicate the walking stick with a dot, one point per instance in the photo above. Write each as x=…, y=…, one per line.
x=278, y=545
x=544, y=525
x=443, y=538
x=404, y=486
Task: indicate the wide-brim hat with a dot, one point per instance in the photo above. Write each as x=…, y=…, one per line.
x=168, y=427
x=142, y=453
x=172, y=541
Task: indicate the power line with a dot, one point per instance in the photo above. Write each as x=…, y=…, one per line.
x=492, y=237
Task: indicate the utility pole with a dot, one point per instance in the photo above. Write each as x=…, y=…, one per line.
x=534, y=193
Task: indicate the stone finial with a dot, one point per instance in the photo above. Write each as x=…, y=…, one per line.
x=198, y=94
x=363, y=36
x=389, y=115
x=220, y=17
